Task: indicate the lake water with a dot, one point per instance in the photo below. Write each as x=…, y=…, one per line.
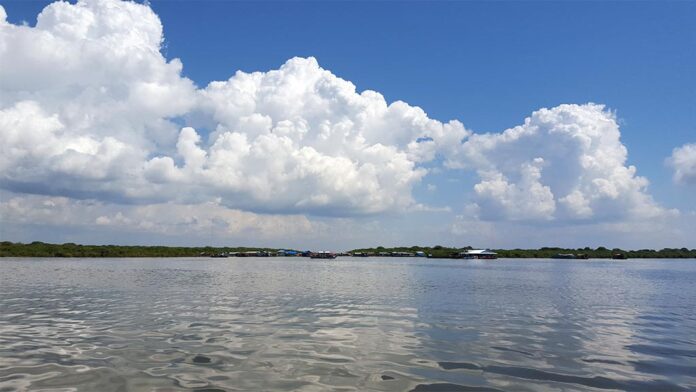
x=347, y=325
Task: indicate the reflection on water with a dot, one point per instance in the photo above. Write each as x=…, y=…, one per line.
x=347, y=325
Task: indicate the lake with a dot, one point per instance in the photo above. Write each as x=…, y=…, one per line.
x=350, y=324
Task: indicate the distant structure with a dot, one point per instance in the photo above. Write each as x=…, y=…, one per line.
x=288, y=253
x=570, y=256
x=322, y=255
x=478, y=254
x=401, y=254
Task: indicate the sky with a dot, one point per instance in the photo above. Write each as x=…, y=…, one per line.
x=348, y=124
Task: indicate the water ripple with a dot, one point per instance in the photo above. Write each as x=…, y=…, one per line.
x=349, y=325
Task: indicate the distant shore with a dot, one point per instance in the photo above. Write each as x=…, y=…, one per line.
x=41, y=249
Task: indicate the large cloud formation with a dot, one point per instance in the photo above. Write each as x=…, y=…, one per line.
x=90, y=109
x=563, y=163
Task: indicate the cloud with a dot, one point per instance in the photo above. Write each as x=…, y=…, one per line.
x=88, y=109
x=565, y=163
x=85, y=98
x=91, y=110
x=526, y=199
x=96, y=65
x=315, y=144
x=206, y=219
x=683, y=161
x=39, y=151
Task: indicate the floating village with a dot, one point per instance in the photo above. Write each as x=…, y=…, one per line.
x=41, y=249
x=476, y=254
x=467, y=254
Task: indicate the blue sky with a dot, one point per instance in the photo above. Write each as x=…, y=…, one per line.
x=486, y=64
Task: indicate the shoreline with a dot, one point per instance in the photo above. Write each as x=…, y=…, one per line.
x=381, y=258
x=71, y=250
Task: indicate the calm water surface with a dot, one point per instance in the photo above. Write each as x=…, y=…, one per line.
x=347, y=325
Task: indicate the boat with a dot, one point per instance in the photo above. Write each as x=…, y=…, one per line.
x=401, y=254
x=322, y=255
x=483, y=254
x=619, y=256
x=254, y=253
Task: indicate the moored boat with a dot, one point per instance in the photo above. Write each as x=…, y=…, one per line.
x=564, y=256
x=484, y=254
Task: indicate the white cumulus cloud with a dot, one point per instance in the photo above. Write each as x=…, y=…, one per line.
x=683, y=161
x=564, y=163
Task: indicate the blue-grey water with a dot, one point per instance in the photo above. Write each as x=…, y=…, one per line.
x=351, y=324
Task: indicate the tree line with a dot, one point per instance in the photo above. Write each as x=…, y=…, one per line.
x=545, y=252
x=42, y=249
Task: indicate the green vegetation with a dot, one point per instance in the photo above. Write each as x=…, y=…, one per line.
x=599, y=253
x=437, y=251
x=41, y=249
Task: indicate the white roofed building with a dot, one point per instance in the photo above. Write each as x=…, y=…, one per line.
x=478, y=254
